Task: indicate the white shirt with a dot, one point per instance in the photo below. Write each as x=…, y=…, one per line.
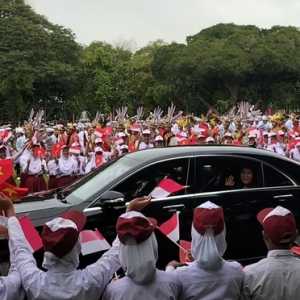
x=197, y=283
x=20, y=142
x=280, y=148
x=52, y=167
x=24, y=159
x=67, y=166
x=166, y=286
x=61, y=282
x=275, y=277
x=36, y=166
x=288, y=124
x=11, y=286
x=144, y=146
x=50, y=141
x=79, y=164
x=295, y=154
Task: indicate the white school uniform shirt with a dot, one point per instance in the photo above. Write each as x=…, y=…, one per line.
x=166, y=286
x=197, y=283
x=295, y=154
x=23, y=159
x=79, y=164
x=275, y=277
x=20, y=142
x=62, y=281
x=271, y=147
x=280, y=148
x=11, y=285
x=67, y=166
x=90, y=163
x=143, y=146
x=36, y=166
x=52, y=167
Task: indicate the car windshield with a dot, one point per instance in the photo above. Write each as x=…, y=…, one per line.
x=92, y=186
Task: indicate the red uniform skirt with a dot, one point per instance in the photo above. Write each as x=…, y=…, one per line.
x=65, y=181
x=35, y=183
x=52, y=184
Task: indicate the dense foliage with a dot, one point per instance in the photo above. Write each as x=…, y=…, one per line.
x=41, y=65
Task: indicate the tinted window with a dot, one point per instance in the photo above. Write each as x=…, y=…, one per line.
x=226, y=173
x=143, y=182
x=273, y=178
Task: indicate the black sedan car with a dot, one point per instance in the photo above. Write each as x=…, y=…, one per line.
x=242, y=180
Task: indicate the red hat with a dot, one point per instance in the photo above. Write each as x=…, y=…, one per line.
x=135, y=127
x=208, y=215
x=279, y=224
x=39, y=151
x=134, y=225
x=60, y=235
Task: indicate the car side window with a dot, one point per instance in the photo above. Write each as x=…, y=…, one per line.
x=227, y=173
x=144, y=181
x=273, y=178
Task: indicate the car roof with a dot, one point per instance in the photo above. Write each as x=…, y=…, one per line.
x=169, y=152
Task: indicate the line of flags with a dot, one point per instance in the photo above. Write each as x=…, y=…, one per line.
x=92, y=241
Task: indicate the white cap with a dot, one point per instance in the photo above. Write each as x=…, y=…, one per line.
x=159, y=138
x=183, y=134
x=121, y=134
x=49, y=129
x=20, y=130
x=146, y=131
x=98, y=149
x=124, y=147
x=271, y=134
x=228, y=134
x=98, y=140
x=210, y=139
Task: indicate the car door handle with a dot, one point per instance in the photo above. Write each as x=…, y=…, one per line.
x=174, y=207
x=283, y=197
x=92, y=211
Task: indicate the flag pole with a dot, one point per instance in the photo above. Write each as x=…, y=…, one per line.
x=178, y=245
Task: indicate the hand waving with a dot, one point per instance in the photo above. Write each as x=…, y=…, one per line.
x=138, y=204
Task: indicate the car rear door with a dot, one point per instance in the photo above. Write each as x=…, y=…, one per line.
x=241, y=204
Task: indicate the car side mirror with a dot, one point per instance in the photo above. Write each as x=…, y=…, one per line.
x=111, y=198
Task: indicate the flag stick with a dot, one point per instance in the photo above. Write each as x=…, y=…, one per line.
x=178, y=245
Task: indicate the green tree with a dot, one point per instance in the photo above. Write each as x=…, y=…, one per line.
x=38, y=62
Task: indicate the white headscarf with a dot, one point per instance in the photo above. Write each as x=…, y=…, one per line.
x=208, y=249
x=139, y=260
x=67, y=263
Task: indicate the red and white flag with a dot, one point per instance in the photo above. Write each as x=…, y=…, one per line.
x=171, y=228
x=32, y=236
x=92, y=242
x=184, y=252
x=165, y=188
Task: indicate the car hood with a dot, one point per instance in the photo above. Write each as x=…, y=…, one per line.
x=41, y=211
